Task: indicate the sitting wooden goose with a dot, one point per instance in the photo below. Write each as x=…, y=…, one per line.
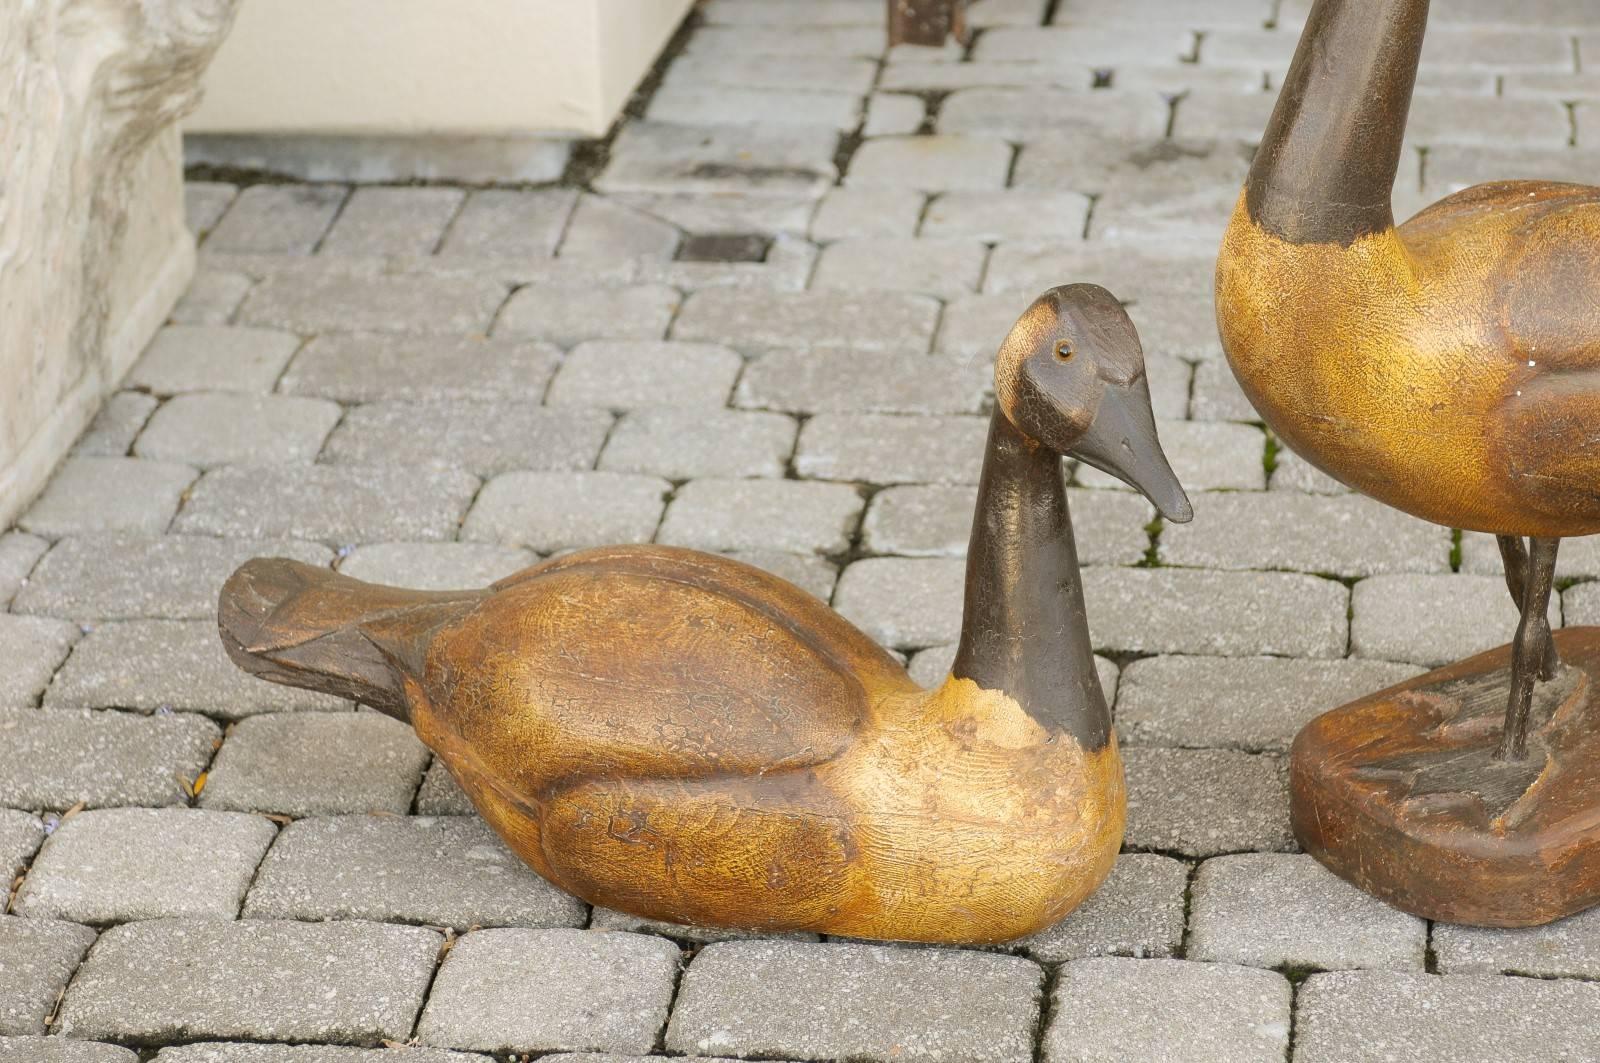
x=688, y=738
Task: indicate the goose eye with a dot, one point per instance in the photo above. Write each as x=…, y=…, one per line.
x=1063, y=351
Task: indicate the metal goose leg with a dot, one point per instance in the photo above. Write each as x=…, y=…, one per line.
x=1528, y=651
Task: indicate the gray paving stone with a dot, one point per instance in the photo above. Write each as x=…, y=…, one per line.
x=1566, y=948
x=624, y=375
x=41, y=955
x=316, y=764
x=248, y=1053
x=1217, y=395
x=1376, y=1016
x=857, y=382
x=161, y=980
x=1250, y=703
x=842, y=73
x=940, y=268
x=436, y=566
x=974, y=326
x=684, y=443
x=20, y=835
x=277, y=219
x=883, y=449
x=441, y=795
x=33, y=647
x=1013, y=214
x=758, y=321
x=1454, y=167
x=1294, y=473
x=212, y=297
x=1206, y=457
x=1203, y=802
x=1228, y=614
x=930, y=163
x=204, y=202
x=408, y=303
x=546, y=990
x=667, y=157
x=786, y=268
x=1585, y=86
x=371, y=368
x=448, y=871
x=790, y=515
x=116, y=865
x=715, y=105
x=56, y=758
x=893, y=113
x=1026, y=114
x=1111, y=46
x=510, y=223
x=486, y=439
x=121, y=576
x=789, y=40
x=1580, y=604
x=1287, y=910
x=906, y=603
x=847, y=213
x=784, y=215
x=1137, y=911
x=1579, y=557
x=1337, y=535
x=213, y=358
x=165, y=665
x=807, y=571
x=218, y=428
x=108, y=494
x=764, y=999
x=568, y=314
x=61, y=1050
x=1164, y=1011
x=549, y=511
x=1433, y=620
x=1498, y=49
x=19, y=553
x=1181, y=326
x=1196, y=14
x=935, y=521
x=378, y=220
x=340, y=504
x=111, y=433
x=1496, y=123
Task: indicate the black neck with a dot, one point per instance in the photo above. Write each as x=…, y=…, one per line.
x=1024, y=630
x=1325, y=172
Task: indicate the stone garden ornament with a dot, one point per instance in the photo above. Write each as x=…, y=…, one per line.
x=1449, y=367
x=687, y=738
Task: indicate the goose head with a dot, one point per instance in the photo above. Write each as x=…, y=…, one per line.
x=1070, y=376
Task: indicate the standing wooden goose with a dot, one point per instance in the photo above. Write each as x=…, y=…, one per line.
x=687, y=738
x=1449, y=367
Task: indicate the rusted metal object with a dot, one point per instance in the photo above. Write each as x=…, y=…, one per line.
x=687, y=738
x=929, y=22
x=1449, y=366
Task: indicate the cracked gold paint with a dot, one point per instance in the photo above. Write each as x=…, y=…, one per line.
x=655, y=730
x=1449, y=367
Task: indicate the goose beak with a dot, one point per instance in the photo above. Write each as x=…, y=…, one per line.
x=1122, y=441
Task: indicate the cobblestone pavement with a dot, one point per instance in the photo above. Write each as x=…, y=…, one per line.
x=434, y=386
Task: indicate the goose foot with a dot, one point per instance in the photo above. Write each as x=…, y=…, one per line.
x=1533, y=654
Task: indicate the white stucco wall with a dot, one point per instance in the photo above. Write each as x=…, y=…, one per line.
x=469, y=67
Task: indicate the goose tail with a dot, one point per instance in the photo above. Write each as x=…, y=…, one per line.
x=311, y=627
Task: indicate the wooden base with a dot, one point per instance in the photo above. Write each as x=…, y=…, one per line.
x=1400, y=794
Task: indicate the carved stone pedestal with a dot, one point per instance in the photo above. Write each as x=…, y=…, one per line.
x=93, y=250
x=1400, y=792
